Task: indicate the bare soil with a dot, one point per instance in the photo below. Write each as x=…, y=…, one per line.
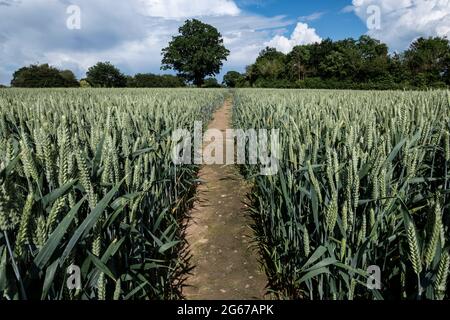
x=226, y=263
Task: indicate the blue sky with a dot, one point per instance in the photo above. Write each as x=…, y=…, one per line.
x=131, y=33
x=324, y=15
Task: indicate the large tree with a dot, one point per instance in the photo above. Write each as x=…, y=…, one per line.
x=428, y=59
x=270, y=65
x=43, y=76
x=197, y=52
x=298, y=59
x=374, y=57
x=70, y=78
x=106, y=75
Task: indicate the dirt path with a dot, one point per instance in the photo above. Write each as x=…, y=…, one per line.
x=226, y=268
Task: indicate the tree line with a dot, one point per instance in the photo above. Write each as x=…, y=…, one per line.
x=101, y=75
x=364, y=63
x=197, y=54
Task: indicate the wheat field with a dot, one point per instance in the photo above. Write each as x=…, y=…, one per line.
x=364, y=182
x=87, y=182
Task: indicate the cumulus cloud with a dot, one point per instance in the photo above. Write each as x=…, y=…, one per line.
x=402, y=21
x=302, y=34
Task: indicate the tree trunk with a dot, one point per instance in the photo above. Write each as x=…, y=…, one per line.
x=199, y=81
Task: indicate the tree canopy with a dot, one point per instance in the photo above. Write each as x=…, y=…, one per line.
x=70, y=78
x=196, y=53
x=364, y=63
x=106, y=75
x=43, y=76
x=428, y=60
x=233, y=79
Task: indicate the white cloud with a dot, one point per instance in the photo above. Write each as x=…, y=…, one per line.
x=245, y=36
x=302, y=34
x=176, y=9
x=402, y=21
x=312, y=17
x=348, y=9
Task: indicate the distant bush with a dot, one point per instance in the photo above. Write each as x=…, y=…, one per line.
x=149, y=80
x=70, y=78
x=106, y=75
x=43, y=76
x=232, y=79
x=273, y=83
x=84, y=83
x=211, y=83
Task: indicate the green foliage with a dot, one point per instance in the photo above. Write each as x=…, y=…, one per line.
x=428, y=61
x=196, y=53
x=270, y=65
x=149, y=80
x=43, y=76
x=353, y=64
x=70, y=78
x=84, y=83
x=105, y=75
x=363, y=181
x=297, y=62
x=211, y=83
x=233, y=79
x=94, y=186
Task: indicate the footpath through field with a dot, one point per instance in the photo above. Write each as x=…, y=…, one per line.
x=226, y=268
